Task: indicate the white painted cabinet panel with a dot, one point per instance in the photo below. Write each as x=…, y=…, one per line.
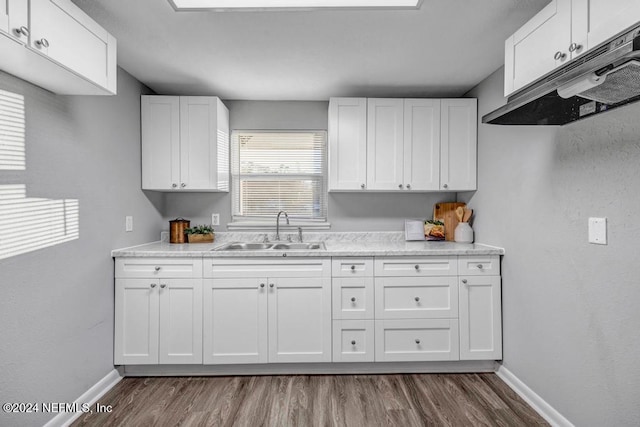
x=14, y=20
x=185, y=143
x=235, y=321
x=419, y=266
x=595, y=21
x=137, y=324
x=421, y=144
x=353, y=341
x=299, y=320
x=416, y=297
x=459, y=145
x=353, y=297
x=480, y=318
x=385, y=142
x=347, y=143
x=180, y=339
x=416, y=340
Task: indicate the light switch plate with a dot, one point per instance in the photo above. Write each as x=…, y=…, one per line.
x=215, y=219
x=128, y=223
x=598, y=231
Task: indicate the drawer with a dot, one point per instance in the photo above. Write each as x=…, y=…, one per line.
x=416, y=297
x=267, y=267
x=424, y=266
x=416, y=340
x=158, y=267
x=351, y=267
x=352, y=297
x=353, y=341
x=479, y=265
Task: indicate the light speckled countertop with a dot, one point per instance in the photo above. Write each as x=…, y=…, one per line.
x=336, y=245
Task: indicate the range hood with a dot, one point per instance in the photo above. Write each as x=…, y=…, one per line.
x=602, y=79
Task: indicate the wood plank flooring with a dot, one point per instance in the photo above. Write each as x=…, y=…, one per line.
x=315, y=400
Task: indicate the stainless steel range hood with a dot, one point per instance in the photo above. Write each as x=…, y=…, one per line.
x=602, y=79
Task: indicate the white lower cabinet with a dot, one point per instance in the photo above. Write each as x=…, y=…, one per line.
x=282, y=317
x=480, y=318
x=158, y=321
x=416, y=340
x=353, y=341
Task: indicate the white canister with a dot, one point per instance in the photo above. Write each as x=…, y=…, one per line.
x=463, y=233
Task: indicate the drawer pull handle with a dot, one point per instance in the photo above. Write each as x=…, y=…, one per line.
x=417, y=341
x=163, y=285
x=417, y=267
x=153, y=285
x=464, y=281
x=417, y=299
x=42, y=43
x=479, y=266
x=559, y=56
x=262, y=285
x=353, y=299
x=271, y=285
x=353, y=268
x=157, y=268
x=353, y=342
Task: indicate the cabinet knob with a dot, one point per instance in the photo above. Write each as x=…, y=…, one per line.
x=157, y=268
x=22, y=31
x=445, y=186
x=479, y=266
x=153, y=285
x=574, y=47
x=559, y=56
x=353, y=342
x=353, y=299
x=271, y=285
x=174, y=185
x=353, y=268
x=42, y=42
x=417, y=267
x=262, y=285
x=183, y=185
x=163, y=285
x=464, y=281
x=399, y=185
x=417, y=299
x=362, y=186
x=417, y=341
x=408, y=186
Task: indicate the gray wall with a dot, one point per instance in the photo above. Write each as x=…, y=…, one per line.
x=56, y=304
x=347, y=211
x=571, y=314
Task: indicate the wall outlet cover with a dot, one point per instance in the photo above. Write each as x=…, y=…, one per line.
x=598, y=231
x=128, y=223
x=215, y=219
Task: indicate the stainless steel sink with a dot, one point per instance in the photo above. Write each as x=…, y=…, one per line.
x=251, y=246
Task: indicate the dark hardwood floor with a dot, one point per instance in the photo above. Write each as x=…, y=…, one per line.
x=315, y=400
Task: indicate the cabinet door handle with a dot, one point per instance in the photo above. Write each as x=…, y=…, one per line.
x=417, y=267
x=163, y=285
x=183, y=185
x=271, y=285
x=479, y=266
x=417, y=341
x=262, y=285
x=353, y=299
x=174, y=185
x=408, y=186
x=417, y=299
x=157, y=268
x=24, y=31
x=559, y=55
x=42, y=42
x=400, y=186
x=353, y=342
x=362, y=186
x=153, y=285
x=574, y=46
x=353, y=267
x=464, y=281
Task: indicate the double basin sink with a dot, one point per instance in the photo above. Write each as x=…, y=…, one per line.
x=277, y=246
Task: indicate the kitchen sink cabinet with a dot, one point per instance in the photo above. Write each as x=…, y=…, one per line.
x=185, y=143
x=259, y=311
x=562, y=31
x=411, y=144
x=55, y=45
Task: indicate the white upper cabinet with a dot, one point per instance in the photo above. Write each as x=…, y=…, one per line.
x=67, y=52
x=347, y=143
x=458, y=144
x=385, y=144
x=421, y=144
x=563, y=30
x=411, y=145
x=185, y=143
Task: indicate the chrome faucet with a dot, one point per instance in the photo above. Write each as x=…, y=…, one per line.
x=278, y=223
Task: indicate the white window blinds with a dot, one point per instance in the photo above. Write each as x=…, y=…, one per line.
x=274, y=171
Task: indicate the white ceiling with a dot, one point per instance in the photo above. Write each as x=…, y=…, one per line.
x=443, y=49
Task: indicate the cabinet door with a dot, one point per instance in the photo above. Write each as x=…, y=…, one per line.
x=136, y=321
x=198, y=141
x=299, y=320
x=480, y=318
x=235, y=321
x=458, y=146
x=594, y=21
x=385, y=128
x=14, y=19
x=160, y=142
x=347, y=143
x=422, y=144
x=64, y=33
x=180, y=321
x=539, y=46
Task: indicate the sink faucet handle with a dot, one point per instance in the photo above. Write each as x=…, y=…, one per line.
x=300, y=234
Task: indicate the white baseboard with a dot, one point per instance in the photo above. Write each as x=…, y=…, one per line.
x=90, y=397
x=547, y=411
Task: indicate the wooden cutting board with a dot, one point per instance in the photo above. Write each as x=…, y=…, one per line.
x=446, y=212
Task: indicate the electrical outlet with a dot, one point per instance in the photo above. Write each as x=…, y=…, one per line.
x=215, y=219
x=598, y=231
x=128, y=223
